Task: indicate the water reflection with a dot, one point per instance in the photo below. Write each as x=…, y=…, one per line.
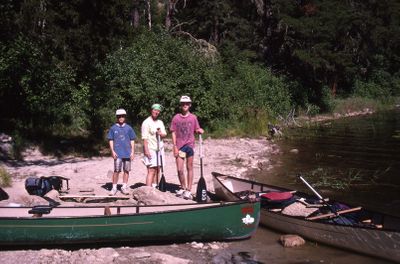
x=353, y=159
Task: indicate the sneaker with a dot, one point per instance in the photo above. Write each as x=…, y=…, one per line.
x=124, y=190
x=180, y=192
x=113, y=192
x=187, y=195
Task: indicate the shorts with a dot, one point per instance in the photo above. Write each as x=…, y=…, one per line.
x=186, y=152
x=122, y=163
x=152, y=162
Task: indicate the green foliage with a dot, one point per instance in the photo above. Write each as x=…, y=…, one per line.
x=41, y=91
x=380, y=85
x=155, y=68
x=256, y=87
x=159, y=68
x=5, y=178
x=66, y=66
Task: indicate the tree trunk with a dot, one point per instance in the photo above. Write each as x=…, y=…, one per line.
x=169, y=13
x=135, y=14
x=215, y=31
x=149, y=13
x=334, y=85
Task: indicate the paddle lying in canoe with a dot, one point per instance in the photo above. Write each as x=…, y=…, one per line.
x=334, y=213
x=361, y=230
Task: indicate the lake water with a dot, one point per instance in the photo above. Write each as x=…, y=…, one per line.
x=354, y=159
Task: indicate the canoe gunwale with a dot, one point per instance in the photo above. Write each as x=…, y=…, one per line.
x=191, y=207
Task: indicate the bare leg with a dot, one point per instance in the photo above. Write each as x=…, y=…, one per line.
x=150, y=175
x=156, y=179
x=115, y=177
x=126, y=176
x=181, y=175
x=189, y=167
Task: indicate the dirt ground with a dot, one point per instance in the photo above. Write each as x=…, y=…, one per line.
x=230, y=156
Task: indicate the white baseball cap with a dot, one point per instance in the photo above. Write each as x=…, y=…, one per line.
x=120, y=112
x=185, y=99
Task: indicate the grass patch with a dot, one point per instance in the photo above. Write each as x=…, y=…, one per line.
x=252, y=123
x=5, y=178
x=355, y=104
x=337, y=180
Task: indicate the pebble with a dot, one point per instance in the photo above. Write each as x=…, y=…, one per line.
x=213, y=246
x=292, y=240
x=140, y=255
x=294, y=151
x=194, y=244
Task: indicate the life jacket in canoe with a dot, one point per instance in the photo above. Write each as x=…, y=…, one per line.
x=276, y=199
x=41, y=186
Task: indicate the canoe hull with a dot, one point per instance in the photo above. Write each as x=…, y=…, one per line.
x=371, y=241
x=367, y=241
x=222, y=222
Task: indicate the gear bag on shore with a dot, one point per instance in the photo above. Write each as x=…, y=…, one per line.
x=41, y=186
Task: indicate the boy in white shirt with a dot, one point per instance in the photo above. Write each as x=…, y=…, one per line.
x=152, y=128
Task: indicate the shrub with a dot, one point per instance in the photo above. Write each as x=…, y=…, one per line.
x=5, y=178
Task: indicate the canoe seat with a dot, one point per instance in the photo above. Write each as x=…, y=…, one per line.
x=273, y=200
x=40, y=209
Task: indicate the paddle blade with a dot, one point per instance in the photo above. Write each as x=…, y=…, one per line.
x=201, y=193
x=162, y=185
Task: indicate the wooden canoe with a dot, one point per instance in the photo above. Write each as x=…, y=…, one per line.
x=88, y=224
x=374, y=234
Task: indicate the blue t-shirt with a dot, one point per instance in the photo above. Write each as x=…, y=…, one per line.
x=122, y=137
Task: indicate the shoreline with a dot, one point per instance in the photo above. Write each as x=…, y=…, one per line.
x=234, y=156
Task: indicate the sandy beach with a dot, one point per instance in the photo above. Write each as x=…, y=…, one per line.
x=231, y=156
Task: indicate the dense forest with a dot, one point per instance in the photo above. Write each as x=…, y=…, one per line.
x=65, y=66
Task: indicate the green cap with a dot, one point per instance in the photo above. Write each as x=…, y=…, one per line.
x=156, y=107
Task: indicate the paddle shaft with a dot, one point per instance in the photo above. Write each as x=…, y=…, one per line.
x=158, y=153
x=311, y=188
x=161, y=163
x=334, y=214
x=318, y=195
x=201, y=155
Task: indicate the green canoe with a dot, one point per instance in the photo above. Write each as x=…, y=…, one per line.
x=183, y=222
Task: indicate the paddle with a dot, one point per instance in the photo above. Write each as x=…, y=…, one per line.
x=162, y=185
x=318, y=195
x=329, y=215
x=201, y=193
x=157, y=154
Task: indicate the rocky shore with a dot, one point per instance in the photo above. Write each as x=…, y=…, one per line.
x=230, y=156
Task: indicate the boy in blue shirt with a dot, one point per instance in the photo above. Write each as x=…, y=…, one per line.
x=122, y=145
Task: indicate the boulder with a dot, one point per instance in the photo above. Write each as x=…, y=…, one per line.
x=53, y=195
x=147, y=195
x=291, y=240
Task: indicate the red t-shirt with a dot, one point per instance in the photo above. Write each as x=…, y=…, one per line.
x=184, y=128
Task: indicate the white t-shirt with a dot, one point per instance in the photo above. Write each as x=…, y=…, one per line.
x=149, y=129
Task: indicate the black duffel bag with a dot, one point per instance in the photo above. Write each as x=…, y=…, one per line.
x=42, y=185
